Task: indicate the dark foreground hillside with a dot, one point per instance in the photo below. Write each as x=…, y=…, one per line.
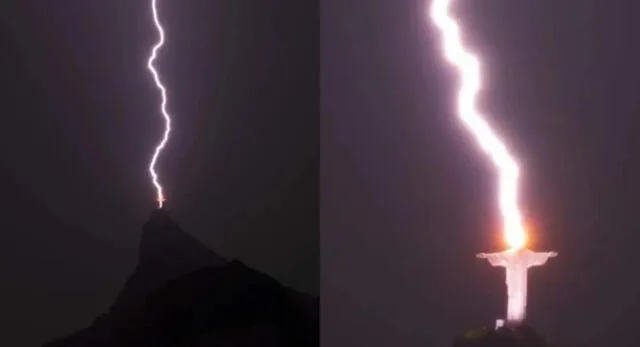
x=520, y=336
x=184, y=294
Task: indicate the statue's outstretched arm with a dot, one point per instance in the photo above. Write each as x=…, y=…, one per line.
x=495, y=259
x=541, y=258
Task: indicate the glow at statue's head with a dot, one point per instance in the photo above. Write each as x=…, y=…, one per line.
x=514, y=234
x=515, y=240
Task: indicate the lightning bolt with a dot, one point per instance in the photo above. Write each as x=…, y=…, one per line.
x=469, y=69
x=163, y=105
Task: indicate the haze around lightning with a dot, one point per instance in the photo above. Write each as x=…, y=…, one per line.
x=163, y=105
x=469, y=68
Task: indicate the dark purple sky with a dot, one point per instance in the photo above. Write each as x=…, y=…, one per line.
x=408, y=198
x=80, y=121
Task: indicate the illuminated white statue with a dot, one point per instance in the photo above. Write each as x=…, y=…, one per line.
x=516, y=263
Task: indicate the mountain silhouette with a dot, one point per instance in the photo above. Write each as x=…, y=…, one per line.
x=507, y=336
x=41, y=254
x=184, y=294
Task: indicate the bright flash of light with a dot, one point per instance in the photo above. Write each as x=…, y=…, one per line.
x=163, y=105
x=469, y=69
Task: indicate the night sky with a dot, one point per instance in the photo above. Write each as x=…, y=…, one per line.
x=80, y=120
x=408, y=198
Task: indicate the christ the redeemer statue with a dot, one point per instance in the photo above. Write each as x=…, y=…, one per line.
x=516, y=263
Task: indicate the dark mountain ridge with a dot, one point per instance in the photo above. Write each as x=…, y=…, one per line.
x=184, y=294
